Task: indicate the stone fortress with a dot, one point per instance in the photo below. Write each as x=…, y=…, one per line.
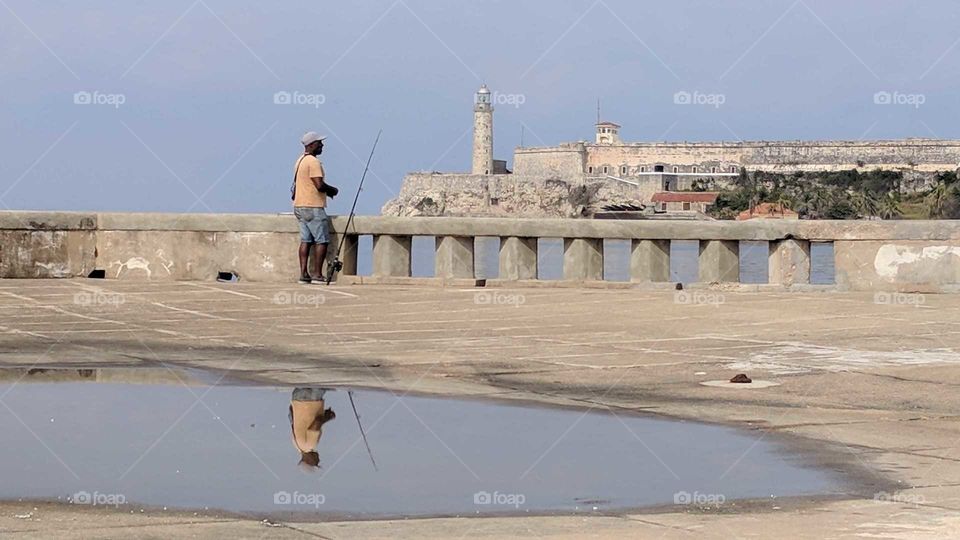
x=579, y=178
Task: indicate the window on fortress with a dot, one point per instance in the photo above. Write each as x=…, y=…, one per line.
x=713, y=169
x=733, y=169
x=623, y=170
x=606, y=170
x=676, y=169
x=695, y=170
x=590, y=170
x=643, y=169
x=686, y=206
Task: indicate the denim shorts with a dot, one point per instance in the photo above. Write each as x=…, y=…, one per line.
x=308, y=394
x=314, y=226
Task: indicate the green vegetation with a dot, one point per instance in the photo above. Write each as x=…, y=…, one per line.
x=838, y=195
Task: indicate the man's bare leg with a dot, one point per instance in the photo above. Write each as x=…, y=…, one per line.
x=319, y=257
x=304, y=254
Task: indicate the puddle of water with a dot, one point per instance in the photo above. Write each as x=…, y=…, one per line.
x=140, y=437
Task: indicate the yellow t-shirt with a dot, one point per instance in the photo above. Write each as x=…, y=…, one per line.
x=306, y=193
x=307, y=424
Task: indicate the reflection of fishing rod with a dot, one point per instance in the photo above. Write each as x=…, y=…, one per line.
x=336, y=265
x=362, y=434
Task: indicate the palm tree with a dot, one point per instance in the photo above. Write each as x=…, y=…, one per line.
x=807, y=203
x=890, y=206
x=820, y=201
x=865, y=203
x=784, y=201
x=937, y=199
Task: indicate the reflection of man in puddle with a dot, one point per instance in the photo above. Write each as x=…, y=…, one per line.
x=307, y=417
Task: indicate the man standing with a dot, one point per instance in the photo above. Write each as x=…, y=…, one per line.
x=309, y=203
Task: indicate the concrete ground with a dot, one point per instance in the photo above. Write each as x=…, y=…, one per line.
x=868, y=381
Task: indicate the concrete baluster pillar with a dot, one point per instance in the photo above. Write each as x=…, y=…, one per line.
x=518, y=258
x=454, y=257
x=719, y=261
x=789, y=262
x=650, y=261
x=583, y=259
x=349, y=255
x=391, y=255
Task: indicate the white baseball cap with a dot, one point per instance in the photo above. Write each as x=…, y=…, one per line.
x=311, y=136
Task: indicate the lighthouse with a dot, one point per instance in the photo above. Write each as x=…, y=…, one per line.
x=483, y=132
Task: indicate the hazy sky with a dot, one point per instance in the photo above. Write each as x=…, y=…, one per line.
x=182, y=114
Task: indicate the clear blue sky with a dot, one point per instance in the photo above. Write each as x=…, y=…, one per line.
x=198, y=80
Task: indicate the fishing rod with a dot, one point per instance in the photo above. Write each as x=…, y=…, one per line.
x=364, y=435
x=336, y=265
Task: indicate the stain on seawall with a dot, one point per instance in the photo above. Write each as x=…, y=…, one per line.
x=895, y=262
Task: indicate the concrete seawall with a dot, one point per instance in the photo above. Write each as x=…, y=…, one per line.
x=921, y=256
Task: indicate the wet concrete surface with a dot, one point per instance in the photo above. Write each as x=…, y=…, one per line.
x=870, y=385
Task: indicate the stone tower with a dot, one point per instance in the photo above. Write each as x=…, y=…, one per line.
x=483, y=132
x=608, y=133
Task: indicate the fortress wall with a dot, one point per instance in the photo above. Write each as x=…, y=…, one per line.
x=686, y=157
x=921, y=155
x=565, y=162
x=925, y=156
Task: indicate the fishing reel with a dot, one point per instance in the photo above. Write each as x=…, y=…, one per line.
x=333, y=267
